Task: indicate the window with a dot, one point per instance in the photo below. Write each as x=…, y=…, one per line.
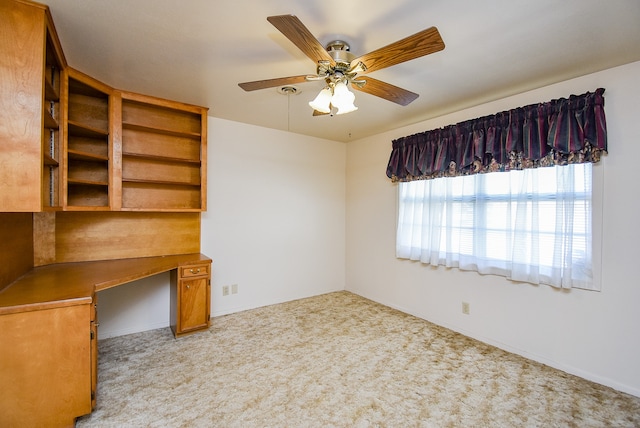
x=532, y=225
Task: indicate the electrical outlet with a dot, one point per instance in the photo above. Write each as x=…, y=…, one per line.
x=234, y=288
x=225, y=290
x=465, y=308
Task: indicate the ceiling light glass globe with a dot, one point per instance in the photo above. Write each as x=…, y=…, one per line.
x=343, y=99
x=322, y=101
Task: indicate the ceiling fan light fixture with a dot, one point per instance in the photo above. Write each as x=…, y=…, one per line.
x=322, y=102
x=338, y=67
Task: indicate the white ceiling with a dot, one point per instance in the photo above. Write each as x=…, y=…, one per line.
x=197, y=51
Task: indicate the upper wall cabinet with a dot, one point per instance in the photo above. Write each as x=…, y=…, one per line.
x=163, y=153
x=70, y=142
x=31, y=63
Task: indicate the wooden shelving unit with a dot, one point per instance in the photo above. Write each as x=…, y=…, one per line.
x=163, y=152
x=51, y=137
x=88, y=152
x=72, y=143
x=31, y=98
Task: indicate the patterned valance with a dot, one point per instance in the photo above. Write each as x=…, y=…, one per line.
x=557, y=132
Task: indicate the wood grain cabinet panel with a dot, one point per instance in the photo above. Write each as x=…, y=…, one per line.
x=190, y=299
x=45, y=366
x=29, y=108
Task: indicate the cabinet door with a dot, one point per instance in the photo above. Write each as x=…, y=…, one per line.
x=194, y=304
x=45, y=371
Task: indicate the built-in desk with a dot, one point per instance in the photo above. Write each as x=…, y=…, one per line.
x=48, y=331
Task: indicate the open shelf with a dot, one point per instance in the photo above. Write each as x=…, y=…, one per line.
x=51, y=144
x=160, y=171
x=139, y=142
x=138, y=195
x=161, y=119
x=88, y=163
x=162, y=155
x=83, y=195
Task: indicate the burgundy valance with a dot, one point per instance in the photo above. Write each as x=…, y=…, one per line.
x=557, y=132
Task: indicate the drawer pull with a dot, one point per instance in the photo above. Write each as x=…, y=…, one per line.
x=188, y=287
x=194, y=271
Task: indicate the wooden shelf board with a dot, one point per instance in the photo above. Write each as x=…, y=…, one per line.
x=49, y=161
x=161, y=158
x=161, y=182
x=49, y=121
x=76, y=154
x=87, y=208
x=133, y=126
x=50, y=93
x=87, y=182
x=81, y=130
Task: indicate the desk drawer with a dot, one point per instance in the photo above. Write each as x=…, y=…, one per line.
x=194, y=270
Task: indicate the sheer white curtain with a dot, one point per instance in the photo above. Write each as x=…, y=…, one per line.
x=531, y=225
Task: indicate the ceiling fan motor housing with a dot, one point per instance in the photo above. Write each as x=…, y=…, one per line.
x=339, y=52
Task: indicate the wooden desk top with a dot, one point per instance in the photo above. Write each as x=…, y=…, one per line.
x=68, y=284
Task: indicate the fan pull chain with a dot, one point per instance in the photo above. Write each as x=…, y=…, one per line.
x=288, y=110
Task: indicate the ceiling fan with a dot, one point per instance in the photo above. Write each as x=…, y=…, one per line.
x=340, y=68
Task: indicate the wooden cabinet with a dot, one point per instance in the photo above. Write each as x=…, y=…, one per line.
x=131, y=152
x=49, y=331
x=190, y=298
x=32, y=61
x=163, y=154
x=71, y=142
x=88, y=148
x=45, y=368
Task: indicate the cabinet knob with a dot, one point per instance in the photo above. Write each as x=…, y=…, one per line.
x=188, y=287
x=195, y=270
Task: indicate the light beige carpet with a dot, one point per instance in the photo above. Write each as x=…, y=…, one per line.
x=337, y=360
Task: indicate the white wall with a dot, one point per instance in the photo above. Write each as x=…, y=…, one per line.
x=275, y=226
x=591, y=334
x=275, y=223
x=138, y=306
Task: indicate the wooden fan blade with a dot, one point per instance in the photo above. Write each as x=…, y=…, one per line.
x=294, y=30
x=420, y=44
x=386, y=90
x=272, y=83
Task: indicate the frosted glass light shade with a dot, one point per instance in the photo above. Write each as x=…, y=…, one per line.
x=343, y=99
x=322, y=101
